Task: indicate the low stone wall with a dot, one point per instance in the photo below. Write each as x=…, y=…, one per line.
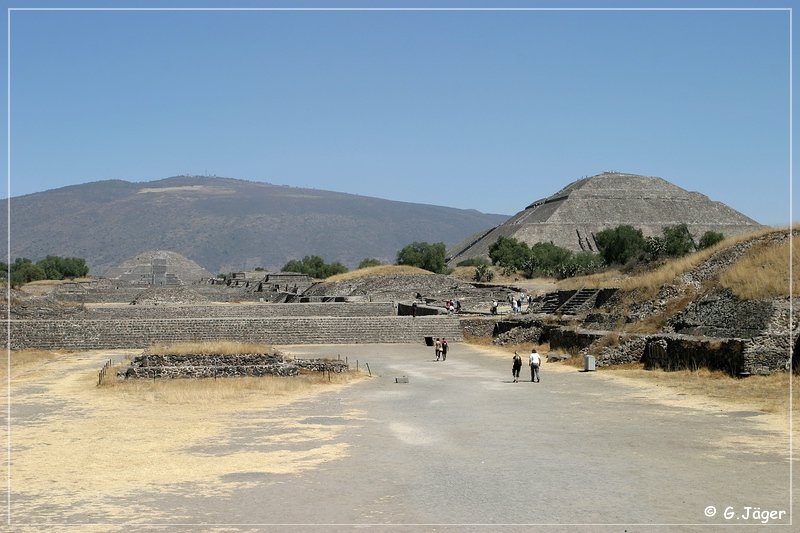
x=101, y=334
x=152, y=366
x=570, y=339
x=249, y=310
x=678, y=352
x=404, y=309
x=478, y=327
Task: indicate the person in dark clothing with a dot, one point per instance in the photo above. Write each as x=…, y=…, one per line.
x=516, y=367
x=444, y=349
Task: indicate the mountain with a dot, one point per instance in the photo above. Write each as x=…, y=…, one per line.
x=224, y=224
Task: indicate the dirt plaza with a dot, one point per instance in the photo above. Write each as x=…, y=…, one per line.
x=459, y=446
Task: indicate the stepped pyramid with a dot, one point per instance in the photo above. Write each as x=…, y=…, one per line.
x=571, y=217
x=157, y=268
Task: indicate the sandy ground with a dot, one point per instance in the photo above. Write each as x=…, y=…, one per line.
x=88, y=458
x=79, y=447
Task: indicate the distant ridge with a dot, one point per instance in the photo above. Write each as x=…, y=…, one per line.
x=571, y=217
x=224, y=224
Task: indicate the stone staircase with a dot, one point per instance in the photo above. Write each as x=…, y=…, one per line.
x=553, y=302
x=578, y=300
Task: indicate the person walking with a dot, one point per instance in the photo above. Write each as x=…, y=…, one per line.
x=437, y=347
x=535, y=361
x=444, y=349
x=516, y=367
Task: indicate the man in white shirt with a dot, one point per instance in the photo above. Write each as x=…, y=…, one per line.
x=535, y=361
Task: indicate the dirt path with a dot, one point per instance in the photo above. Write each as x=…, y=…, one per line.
x=458, y=444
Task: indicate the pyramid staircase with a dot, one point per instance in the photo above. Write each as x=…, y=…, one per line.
x=578, y=300
x=551, y=303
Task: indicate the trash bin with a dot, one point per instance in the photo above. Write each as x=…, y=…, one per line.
x=588, y=363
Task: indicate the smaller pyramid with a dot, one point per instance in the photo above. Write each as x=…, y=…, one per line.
x=573, y=216
x=157, y=268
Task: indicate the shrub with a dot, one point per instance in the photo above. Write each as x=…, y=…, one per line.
x=580, y=264
x=678, y=241
x=709, y=239
x=483, y=273
x=655, y=247
x=368, y=262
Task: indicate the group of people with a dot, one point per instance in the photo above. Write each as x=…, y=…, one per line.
x=534, y=361
x=516, y=301
x=440, y=346
x=452, y=306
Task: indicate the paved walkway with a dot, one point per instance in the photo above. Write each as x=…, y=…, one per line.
x=460, y=444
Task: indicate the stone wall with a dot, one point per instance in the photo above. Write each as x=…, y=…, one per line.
x=250, y=310
x=102, y=334
x=677, y=352
x=154, y=366
x=478, y=327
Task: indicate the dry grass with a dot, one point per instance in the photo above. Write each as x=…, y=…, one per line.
x=103, y=447
x=763, y=272
x=650, y=282
x=24, y=359
x=465, y=273
x=769, y=394
x=600, y=280
x=207, y=392
x=655, y=323
x=380, y=270
x=209, y=348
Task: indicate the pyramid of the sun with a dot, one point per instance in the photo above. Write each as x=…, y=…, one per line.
x=157, y=268
x=572, y=217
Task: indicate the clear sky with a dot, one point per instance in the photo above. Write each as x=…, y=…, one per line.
x=486, y=110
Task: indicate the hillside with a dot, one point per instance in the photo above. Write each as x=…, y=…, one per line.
x=224, y=224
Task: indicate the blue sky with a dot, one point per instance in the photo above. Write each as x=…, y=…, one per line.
x=486, y=110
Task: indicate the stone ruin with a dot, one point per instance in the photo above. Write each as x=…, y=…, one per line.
x=157, y=268
x=572, y=217
x=170, y=366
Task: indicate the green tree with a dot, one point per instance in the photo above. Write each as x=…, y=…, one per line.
x=678, y=241
x=424, y=255
x=621, y=244
x=314, y=266
x=369, y=262
x=709, y=239
x=510, y=254
x=545, y=259
x=23, y=270
x=56, y=267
